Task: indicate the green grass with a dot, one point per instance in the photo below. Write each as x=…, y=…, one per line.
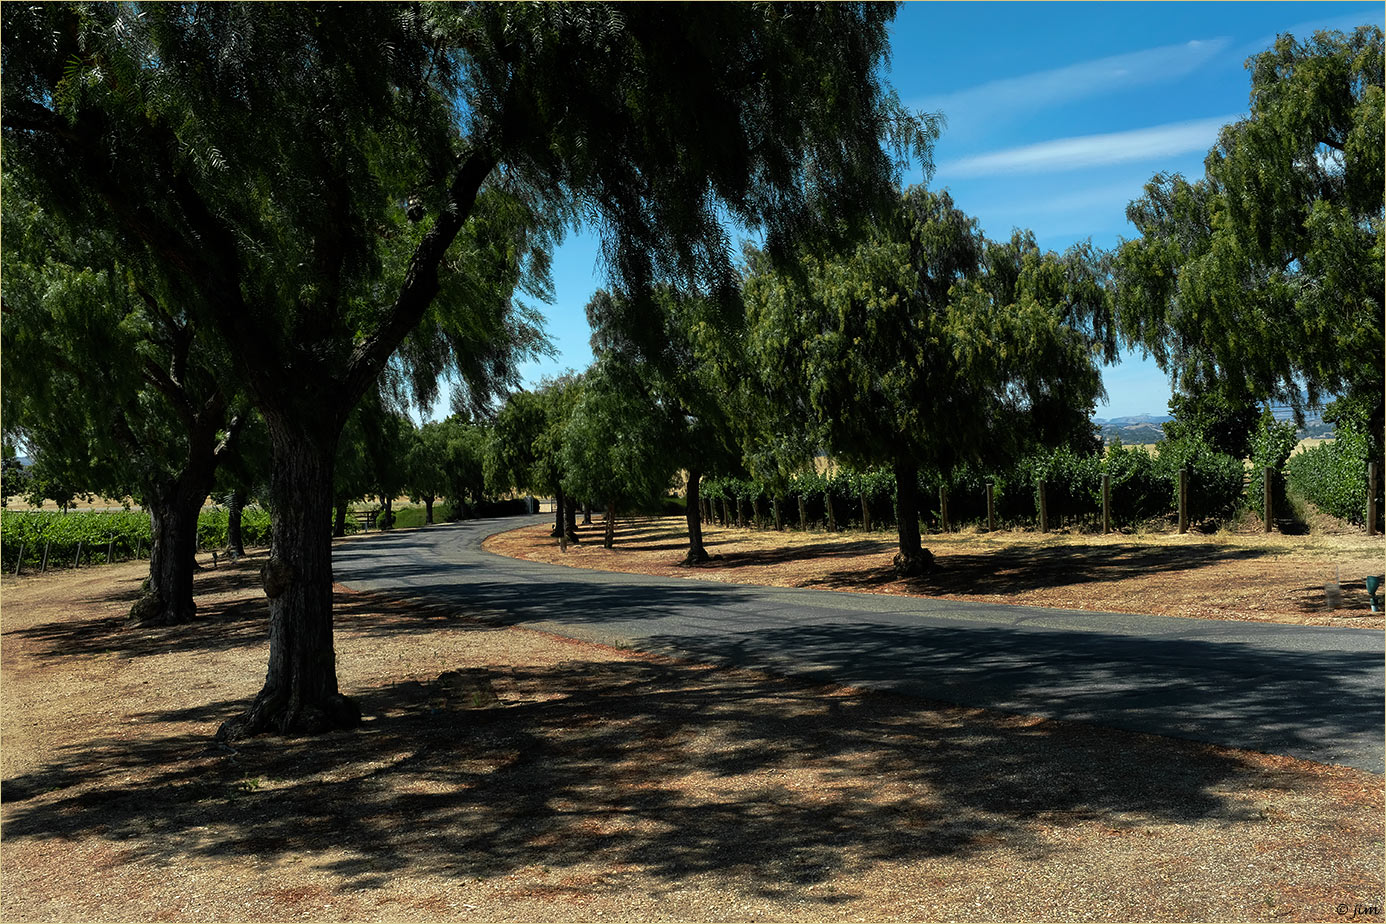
x=407, y=517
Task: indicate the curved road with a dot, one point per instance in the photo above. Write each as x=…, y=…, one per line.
x=1303, y=691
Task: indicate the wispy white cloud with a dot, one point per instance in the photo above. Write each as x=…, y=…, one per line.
x=1092, y=150
x=1305, y=30
x=1072, y=82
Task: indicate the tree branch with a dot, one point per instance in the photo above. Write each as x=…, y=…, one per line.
x=421, y=280
x=26, y=115
x=155, y=375
x=231, y=441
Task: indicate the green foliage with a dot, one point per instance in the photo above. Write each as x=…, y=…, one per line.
x=1216, y=480
x=1333, y=475
x=14, y=479
x=125, y=532
x=1073, y=485
x=1140, y=490
x=525, y=451
x=1264, y=279
x=612, y=447
x=1210, y=415
x=926, y=347
x=676, y=358
x=256, y=529
x=1271, y=446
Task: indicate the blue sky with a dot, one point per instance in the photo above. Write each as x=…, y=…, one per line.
x=1058, y=113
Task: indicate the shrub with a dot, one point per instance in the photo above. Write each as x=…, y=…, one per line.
x=1216, y=481
x=1139, y=490
x=1333, y=475
x=1271, y=446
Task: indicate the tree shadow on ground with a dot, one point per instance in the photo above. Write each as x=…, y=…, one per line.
x=678, y=770
x=799, y=552
x=1015, y=570
x=219, y=625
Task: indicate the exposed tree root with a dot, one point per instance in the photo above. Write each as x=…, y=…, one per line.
x=153, y=610
x=276, y=711
x=913, y=564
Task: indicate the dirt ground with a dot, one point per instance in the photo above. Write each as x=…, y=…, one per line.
x=507, y=774
x=1248, y=576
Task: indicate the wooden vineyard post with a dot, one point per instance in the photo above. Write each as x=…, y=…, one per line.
x=1043, y=509
x=77, y=558
x=832, y=518
x=741, y=513
x=1183, y=500
x=991, y=506
x=865, y=514
x=1106, y=503
x=18, y=564
x=1267, y=506
x=1372, y=482
x=110, y=547
x=943, y=508
x=803, y=514
x=779, y=515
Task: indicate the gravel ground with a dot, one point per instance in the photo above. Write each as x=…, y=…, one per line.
x=1244, y=576
x=506, y=774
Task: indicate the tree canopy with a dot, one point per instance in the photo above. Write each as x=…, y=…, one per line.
x=1264, y=278
x=927, y=345
x=341, y=190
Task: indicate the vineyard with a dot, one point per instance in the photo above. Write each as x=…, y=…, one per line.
x=42, y=539
x=1142, y=488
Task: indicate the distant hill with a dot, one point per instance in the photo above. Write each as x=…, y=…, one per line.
x=1133, y=431
x=1146, y=428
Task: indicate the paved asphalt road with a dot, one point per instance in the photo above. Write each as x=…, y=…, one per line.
x=1303, y=691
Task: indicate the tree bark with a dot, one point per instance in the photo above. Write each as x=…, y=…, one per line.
x=832, y=518
x=387, y=505
x=571, y=519
x=609, y=521
x=696, y=553
x=300, y=694
x=168, y=599
x=339, y=521
x=428, y=510
x=235, y=503
x=912, y=559
x=586, y=513
x=559, y=511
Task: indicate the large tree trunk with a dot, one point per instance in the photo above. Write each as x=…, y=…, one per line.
x=559, y=512
x=609, y=539
x=300, y=695
x=339, y=521
x=387, y=510
x=235, y=503
x=428, y=510
x=571, y=519
x=696, y=553
x=912, y=559
x=586, y=513
x=168, y=599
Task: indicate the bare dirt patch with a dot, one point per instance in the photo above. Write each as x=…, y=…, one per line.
x=1247, y=576
x=506, y=774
